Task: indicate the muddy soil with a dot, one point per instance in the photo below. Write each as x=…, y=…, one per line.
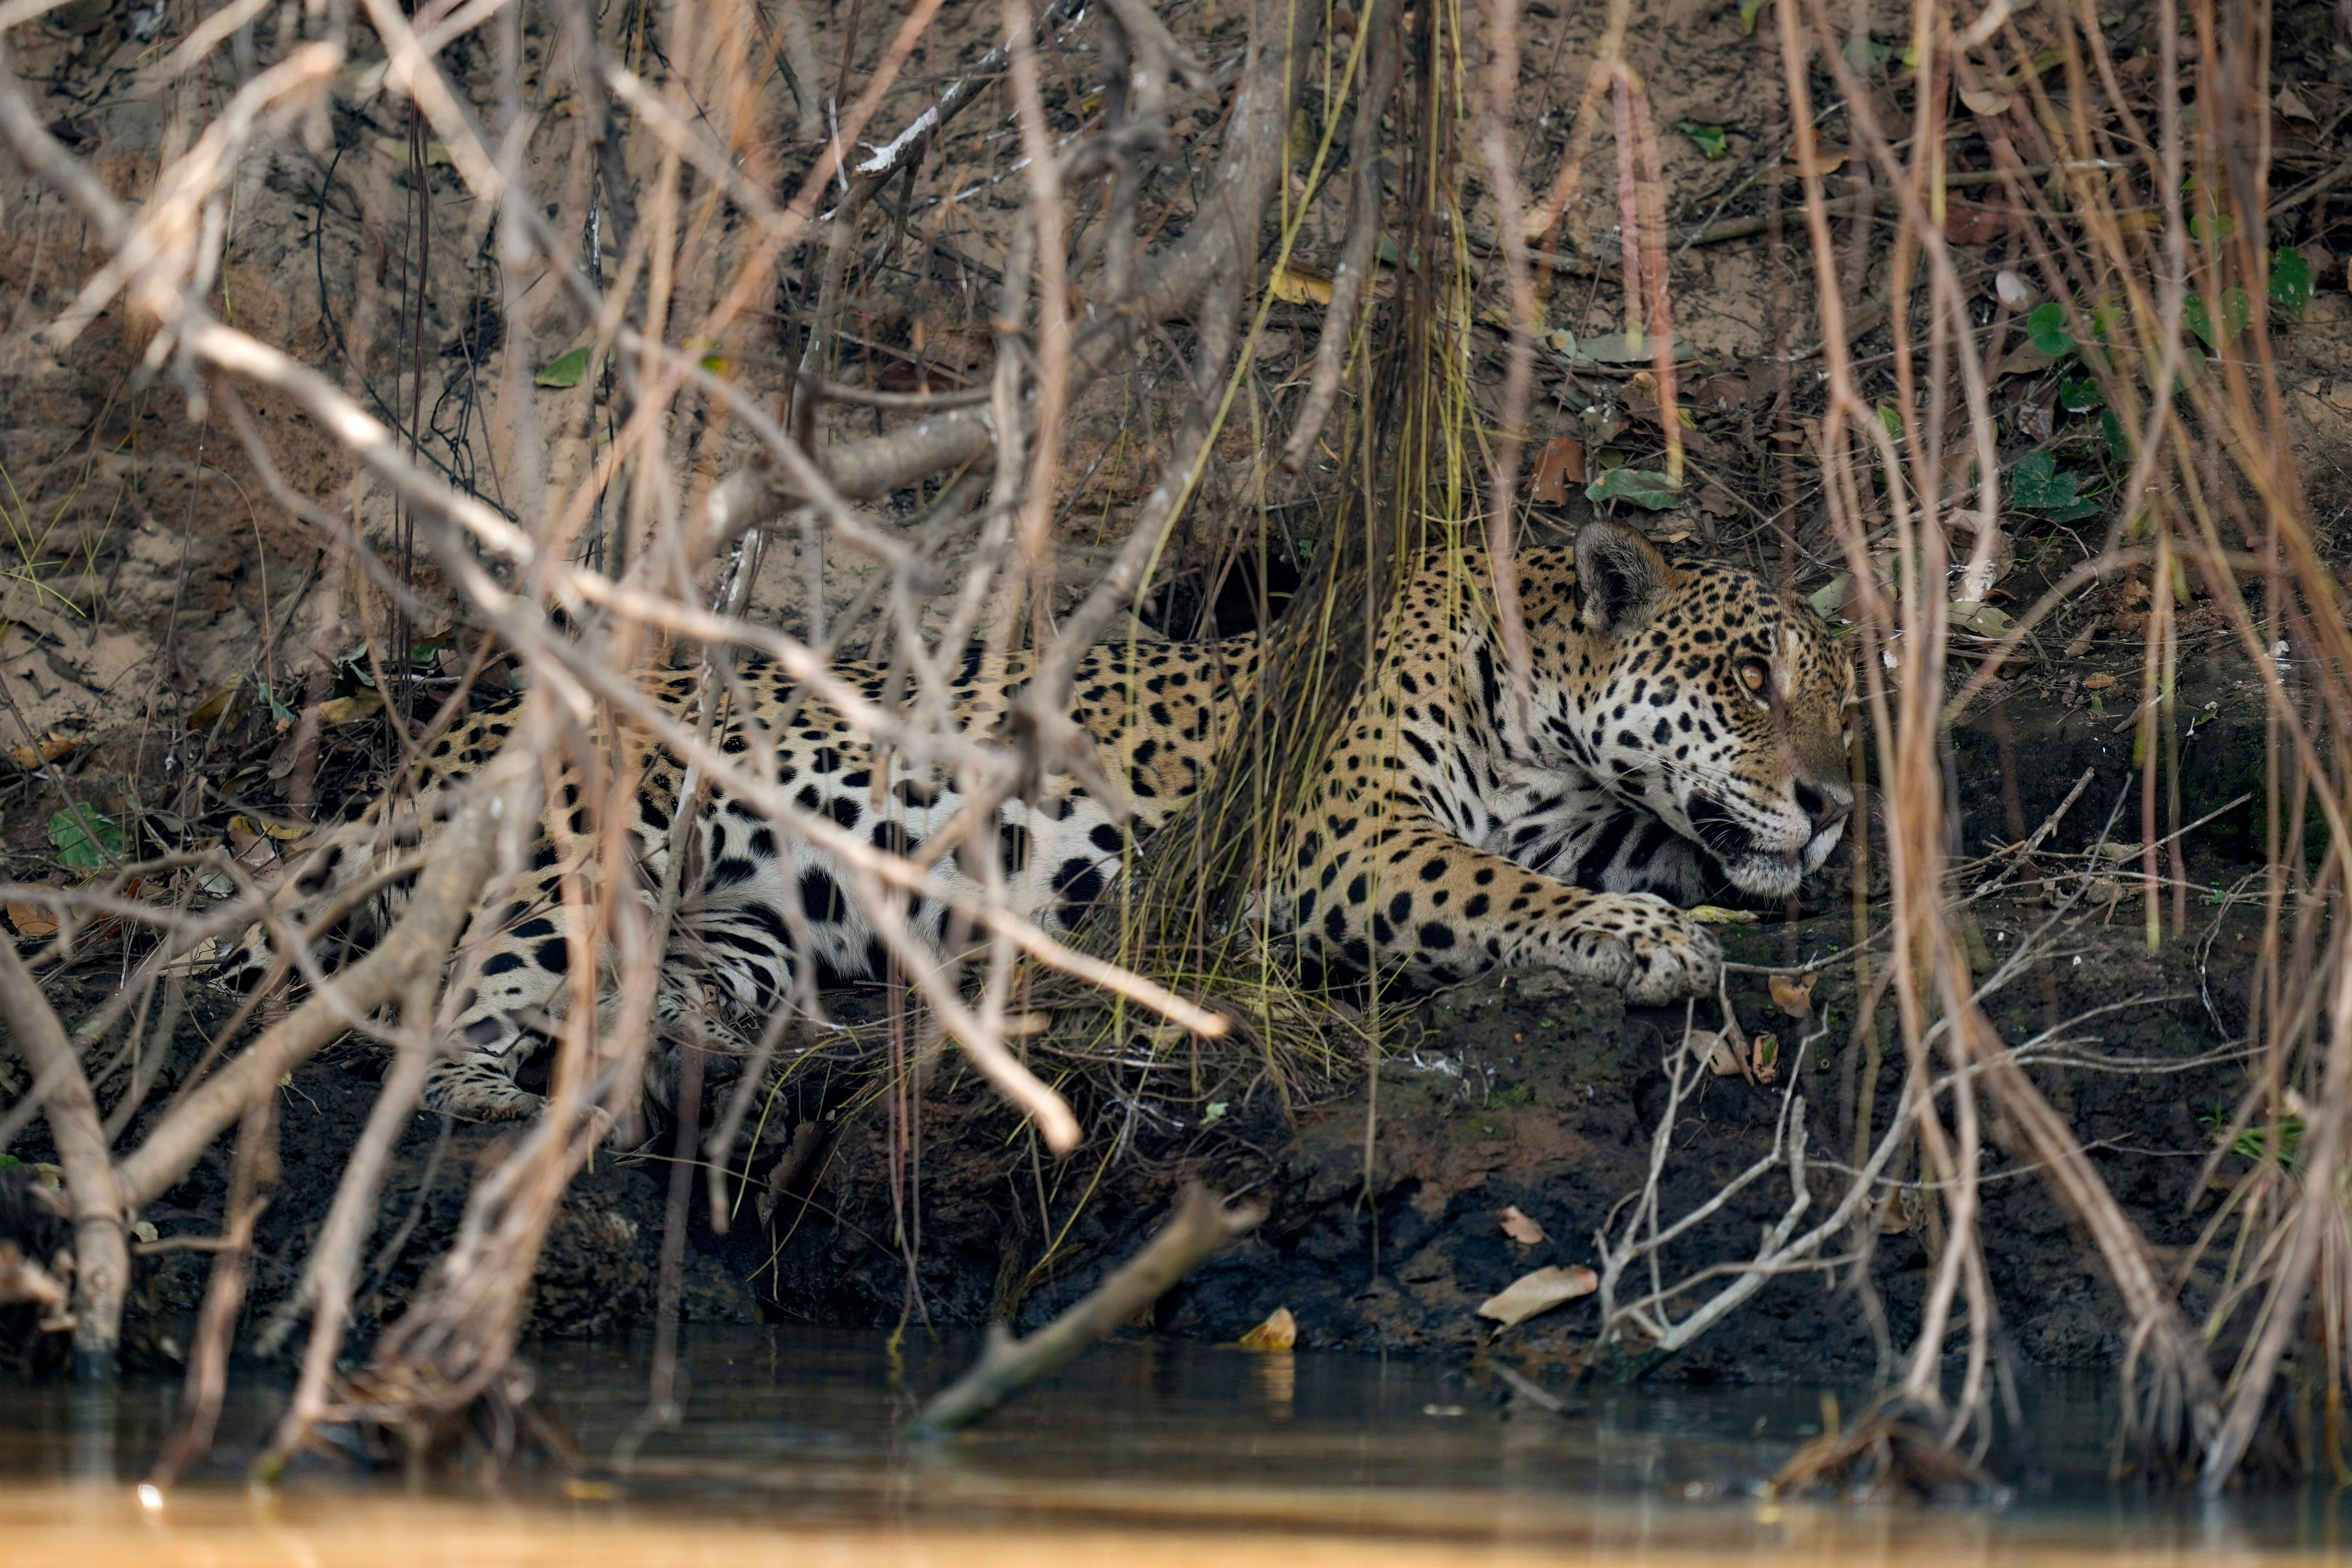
x=1523, y=1092
x=597, y=1276
x=1517, y=1091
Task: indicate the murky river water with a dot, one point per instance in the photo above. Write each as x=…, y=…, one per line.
x=1137, y=1455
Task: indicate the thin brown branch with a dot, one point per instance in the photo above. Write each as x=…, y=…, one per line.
x=1200, y=1227
x=101, y=1200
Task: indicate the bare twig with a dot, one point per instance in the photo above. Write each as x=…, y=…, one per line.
x=1199, y=1228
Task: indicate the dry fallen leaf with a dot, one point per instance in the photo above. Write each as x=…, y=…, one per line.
x=1520, y=1228
x=1278, y=1332
x=209, y=711
x=351, y=710
x=1539, y=1292
x=31, y=919
x=284, y=832
x=2292, y=106
x=1558, y=464
x=1975, y=225
x=1718, y=1053
x=1794, y=997
x=51, y=747
x=1765, y=1057
x=1295, y=285
x=1984, y=100
x=2098, y=682
x=1828, y=158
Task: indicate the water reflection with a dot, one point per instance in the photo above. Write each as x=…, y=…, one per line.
x=794, y=1438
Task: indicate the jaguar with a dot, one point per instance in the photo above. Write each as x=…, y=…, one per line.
x=1681, y=734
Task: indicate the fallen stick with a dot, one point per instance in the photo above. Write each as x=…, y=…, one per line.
x=1200, y=1225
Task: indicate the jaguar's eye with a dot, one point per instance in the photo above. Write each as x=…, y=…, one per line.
x=1753, y=675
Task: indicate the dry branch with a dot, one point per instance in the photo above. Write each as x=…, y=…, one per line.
x=1200, y=1225
x=419, y=943
x=101, y=1200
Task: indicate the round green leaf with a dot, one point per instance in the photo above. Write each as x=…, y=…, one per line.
x=2045, y=327
x=2290, y=281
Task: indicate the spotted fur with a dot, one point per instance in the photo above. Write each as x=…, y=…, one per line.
x=1685, y=734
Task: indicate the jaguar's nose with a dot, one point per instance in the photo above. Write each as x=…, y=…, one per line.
x=1825, y=810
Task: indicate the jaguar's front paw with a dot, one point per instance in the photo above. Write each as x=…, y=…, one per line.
x=481, y=1097
x=1652, y=950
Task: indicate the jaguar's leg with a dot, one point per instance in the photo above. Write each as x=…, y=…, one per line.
x=1395, y=889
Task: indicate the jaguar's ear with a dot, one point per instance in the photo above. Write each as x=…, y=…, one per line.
x=1620, y=577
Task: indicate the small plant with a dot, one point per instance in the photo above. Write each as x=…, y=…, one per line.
x=85, y=840
x=2254, y=1142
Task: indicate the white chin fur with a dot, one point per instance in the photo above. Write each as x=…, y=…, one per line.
x=1765, y=876
x=1777, y=876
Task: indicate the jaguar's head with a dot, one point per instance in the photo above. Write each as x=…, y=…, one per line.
x=1715, y=701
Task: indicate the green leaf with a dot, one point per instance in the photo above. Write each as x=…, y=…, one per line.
x=2290, y=281
x=2236, y=310
x=79, y=834
x=2036, y=485
x=1642, y=487
x=2215, y=226
x=1709, y=137
x=564, y=371
x=1892, y=418
x=8, y=1160
x=2079, y=396
x=1830, y=598
x=2045, y=328
x=2118, y=443
x=1974, y=616
x=278, y=711
x=1749, y=11
x=2105, y=316
x=2029, y=482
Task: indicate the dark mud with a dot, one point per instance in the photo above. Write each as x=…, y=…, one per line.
x=1519, y=1092
x=596, y=1275
x=1522, y=1092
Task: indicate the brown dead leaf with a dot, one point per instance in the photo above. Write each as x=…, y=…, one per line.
x=1722, y=394
x=1975, y=225
x=1539, y=1292
x=351, y=710
x=1984, y=100
x=1521, y=1229
x=31, y=919
x=1720, y=1055
x=50, y=747
x=1278, y=1332
x=1794, y=997
x=209, y=712
x=1558, y=465
x=1828, y=158
x=2098, y=682
x=2291, y=106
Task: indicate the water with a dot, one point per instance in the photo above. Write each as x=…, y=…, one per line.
x=1137, y=1455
